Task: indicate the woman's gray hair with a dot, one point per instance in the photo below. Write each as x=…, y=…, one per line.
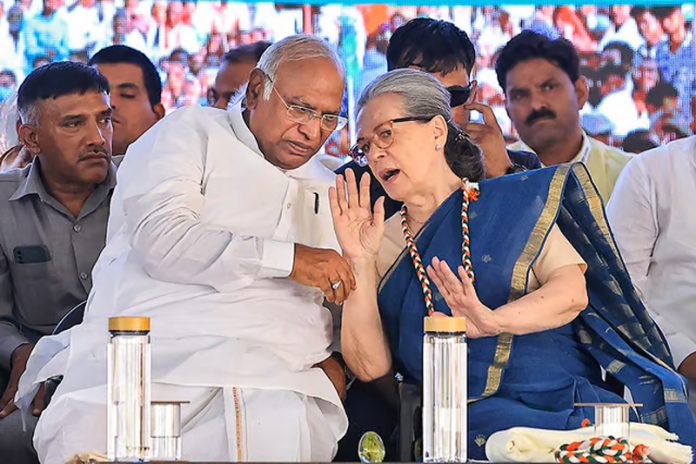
x=293, y=48
x=423, y=95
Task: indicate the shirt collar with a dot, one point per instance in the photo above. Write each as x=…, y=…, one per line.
x=241, y=130
x=584, y=152
x=581, y=156
x=33, y=185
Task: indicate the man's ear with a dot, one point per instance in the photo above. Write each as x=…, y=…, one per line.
x=159, y=110
x=582, y=91
x=29, y=138
x=254, y=91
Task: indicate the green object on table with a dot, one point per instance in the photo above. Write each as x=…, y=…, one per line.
x=371, y=448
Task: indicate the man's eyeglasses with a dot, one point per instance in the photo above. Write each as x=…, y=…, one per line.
x=304, y=115
x=459, y=94
x=382, y=137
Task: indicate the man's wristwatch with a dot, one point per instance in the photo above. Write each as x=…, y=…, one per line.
x=515, y=168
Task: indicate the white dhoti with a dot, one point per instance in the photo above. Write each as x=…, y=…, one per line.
x=218, y=424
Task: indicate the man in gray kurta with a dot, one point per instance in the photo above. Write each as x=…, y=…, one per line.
x=54, y=214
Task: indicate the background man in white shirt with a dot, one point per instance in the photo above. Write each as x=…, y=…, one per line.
x=220, y=231
x=652, y=215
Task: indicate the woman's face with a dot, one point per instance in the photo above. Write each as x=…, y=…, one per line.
x=405, y=167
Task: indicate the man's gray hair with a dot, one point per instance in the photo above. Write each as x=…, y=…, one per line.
x=29, y=114
x=422, y=94
x=294, y=48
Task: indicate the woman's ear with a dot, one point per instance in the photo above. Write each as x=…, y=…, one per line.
x=439, y=125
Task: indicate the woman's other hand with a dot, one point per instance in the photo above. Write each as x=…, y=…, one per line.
x=460, y=296
x=359, y=229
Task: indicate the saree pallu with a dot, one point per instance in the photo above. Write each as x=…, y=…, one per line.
x=534, y=380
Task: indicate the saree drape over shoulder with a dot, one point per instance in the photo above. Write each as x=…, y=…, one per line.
x=534, y=380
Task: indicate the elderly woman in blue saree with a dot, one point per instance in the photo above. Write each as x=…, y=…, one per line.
x=527, y=259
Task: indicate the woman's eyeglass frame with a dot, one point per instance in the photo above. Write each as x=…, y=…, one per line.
x=358, y=151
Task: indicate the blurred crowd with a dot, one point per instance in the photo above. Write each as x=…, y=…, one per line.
x=639, y=60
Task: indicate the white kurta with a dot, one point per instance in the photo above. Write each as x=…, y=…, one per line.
x=653, y=218
x=200, y=239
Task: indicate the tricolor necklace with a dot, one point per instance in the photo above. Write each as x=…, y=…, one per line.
x=470, y=192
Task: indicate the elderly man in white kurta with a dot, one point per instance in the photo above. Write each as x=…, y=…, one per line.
x=220, y=231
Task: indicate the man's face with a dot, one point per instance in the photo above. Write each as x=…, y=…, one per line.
x=133, y=113
x=230, y=78
x=647, y=75
x=543, y=102
x=620, y=13
x=458, y=76
x=673, y=22
x=285, y=143
x=72, y=138
x=649, y=27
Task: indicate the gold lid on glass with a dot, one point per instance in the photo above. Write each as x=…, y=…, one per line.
x=445, y=324
x=129, y=324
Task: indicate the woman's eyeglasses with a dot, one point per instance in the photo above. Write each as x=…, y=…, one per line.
x=382, y=137
x=459, y=94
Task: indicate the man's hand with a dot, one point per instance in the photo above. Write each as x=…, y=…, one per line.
x=323, y=269
x=334, y=371
x=20, y=356
x=490, y=138
x=688, y=367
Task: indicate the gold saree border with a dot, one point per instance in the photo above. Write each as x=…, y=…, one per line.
x=520, y=274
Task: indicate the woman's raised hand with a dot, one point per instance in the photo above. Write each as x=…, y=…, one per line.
x=460, y=296
x=358, y=228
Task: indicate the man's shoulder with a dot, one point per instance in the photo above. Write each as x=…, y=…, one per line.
x=611, y=154
x=679, y=153
x=199, y=115
x=10, y=180
x=183, y=123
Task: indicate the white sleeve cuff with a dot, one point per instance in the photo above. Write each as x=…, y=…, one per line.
x=277, y=259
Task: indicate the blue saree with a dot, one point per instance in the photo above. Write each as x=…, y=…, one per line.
x=534, y=380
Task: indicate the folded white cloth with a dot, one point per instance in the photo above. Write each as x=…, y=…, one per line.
x=522, y=444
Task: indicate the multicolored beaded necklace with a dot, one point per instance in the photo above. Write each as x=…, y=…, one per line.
x=470, y=192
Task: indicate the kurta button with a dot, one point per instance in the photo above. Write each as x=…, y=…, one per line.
x=288, y=206
x=77, y=227
x=83, y=276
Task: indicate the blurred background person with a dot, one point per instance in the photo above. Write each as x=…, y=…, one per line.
x=46, y=34
x=638, y=141
x=234, y=72
x=136, y=92
x=544, y=93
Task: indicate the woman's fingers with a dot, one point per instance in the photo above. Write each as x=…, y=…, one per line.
x=451, y=281
x=341, y=193
x=466, y=281
x=353, y=196
x=333, y=203
x=437, y=280
x=365, y=190
x=378, y=215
